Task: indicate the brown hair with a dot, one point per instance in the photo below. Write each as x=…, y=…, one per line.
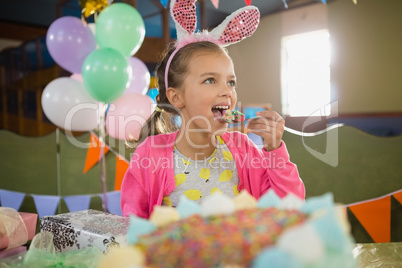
x=164, y=122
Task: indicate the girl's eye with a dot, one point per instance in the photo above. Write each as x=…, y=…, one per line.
x=209, y=81
x=232, y=83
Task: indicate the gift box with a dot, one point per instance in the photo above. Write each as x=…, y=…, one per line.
x=16, y=229
x=30, y=220
x=87, y=228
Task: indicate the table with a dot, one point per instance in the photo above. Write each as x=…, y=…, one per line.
x=378, y=254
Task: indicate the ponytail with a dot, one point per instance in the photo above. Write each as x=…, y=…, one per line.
x=158, y=123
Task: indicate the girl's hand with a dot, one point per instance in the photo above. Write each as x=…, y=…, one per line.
x=270, y=126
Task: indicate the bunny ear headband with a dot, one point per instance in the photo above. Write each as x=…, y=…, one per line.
x=237, y=26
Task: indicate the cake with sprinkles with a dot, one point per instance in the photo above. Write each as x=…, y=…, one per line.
x=239, y=232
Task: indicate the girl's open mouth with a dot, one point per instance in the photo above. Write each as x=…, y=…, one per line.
x=218, y=111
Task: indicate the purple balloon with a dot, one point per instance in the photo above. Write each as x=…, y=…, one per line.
x=141, y=78
x=69, y=42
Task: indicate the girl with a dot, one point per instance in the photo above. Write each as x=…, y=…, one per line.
x=197, y=81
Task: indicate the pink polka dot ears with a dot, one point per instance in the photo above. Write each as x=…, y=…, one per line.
x=237, y=26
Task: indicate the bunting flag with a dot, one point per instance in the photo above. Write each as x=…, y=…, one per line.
x=93, y=153
x=164, y=3
x=46, y=205
x=375, y=217
x=215, y=3
x=376, y=220
x=248, y=2
x=77, y=202
x=398, y=196
x=121, y=168
x=11, y=199
x=113, y=202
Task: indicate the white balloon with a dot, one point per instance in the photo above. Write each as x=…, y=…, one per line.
x=68, y=105
x=92, y=27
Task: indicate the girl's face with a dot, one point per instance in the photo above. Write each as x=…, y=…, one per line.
x=208, y=89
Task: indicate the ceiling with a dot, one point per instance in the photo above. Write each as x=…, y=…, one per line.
x=42, y=13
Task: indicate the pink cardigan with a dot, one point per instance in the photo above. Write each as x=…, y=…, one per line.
x=150, y=176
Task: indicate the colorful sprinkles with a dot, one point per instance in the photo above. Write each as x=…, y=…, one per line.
x=217, y=240
x=230, y=116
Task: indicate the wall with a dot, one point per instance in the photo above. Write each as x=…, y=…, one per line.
x=257, y=62
x=366, y=40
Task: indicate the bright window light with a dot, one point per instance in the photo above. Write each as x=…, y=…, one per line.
x=306, y=74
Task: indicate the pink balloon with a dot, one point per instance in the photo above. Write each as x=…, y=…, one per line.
x=141, y=78
x=77, y=77
x=127, y=115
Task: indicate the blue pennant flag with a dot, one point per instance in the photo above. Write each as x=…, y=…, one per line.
x=46, y=205
x=77, y=202
x=113, y=202
x=11, y=199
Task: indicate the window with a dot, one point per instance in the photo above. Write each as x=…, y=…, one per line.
x=306, y=74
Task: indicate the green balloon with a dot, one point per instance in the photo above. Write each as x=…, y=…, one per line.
x=121, y=27
x=106, y=74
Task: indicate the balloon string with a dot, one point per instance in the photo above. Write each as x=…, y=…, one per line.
x=102, y=161
x=58, y=167
x=83, y=17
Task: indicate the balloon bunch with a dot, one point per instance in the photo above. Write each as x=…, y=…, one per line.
x=103, y=71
